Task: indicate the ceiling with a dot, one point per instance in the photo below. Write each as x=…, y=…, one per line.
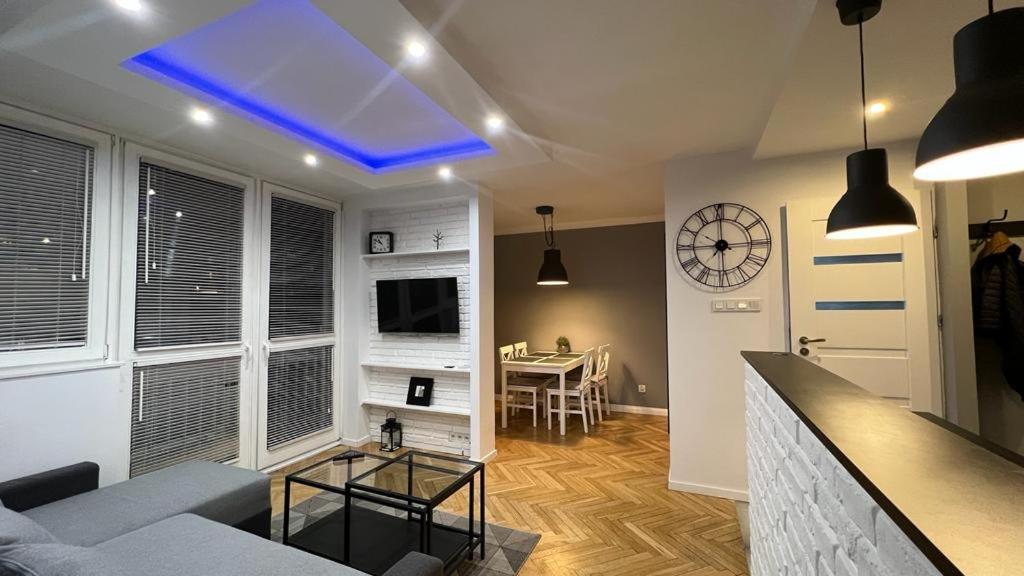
x=67, y=56
x=597, y=94
x=611, y=89
x=908, y=53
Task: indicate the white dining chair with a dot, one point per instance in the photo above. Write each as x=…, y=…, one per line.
x=522, y=388
x=579, y=391
x=520, y=349
x=599, y=380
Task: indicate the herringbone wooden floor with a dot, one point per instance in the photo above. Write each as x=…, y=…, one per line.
x=600, y=502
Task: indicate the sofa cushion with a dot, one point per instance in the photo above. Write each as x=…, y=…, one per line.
x=187, y=544
x=55, y=559
x=216, y=491
x=17, y=528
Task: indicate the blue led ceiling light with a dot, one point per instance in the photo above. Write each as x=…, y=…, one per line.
x=291, y=67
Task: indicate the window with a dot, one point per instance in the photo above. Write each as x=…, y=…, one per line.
x=299, y=324
x=46, y=197
x=184, y=411
x=189, y=259
x=301, y=269
x=190, y=366
x=300, y=395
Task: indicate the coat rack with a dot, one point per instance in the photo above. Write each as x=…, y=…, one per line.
x=981, y=232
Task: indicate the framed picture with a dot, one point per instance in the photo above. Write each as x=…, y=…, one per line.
x=420, y=390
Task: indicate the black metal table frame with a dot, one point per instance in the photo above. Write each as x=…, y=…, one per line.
x=412, y=505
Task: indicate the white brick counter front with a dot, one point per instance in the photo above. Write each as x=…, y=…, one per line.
x=808, y=515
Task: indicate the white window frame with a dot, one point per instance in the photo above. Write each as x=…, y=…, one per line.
x=133, y=155
x=299, y=446
x=95, y=351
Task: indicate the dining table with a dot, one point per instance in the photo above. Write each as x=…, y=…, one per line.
x=542, y=362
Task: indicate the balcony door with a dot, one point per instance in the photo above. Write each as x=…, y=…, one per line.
x=299, y=391
x=186, y=324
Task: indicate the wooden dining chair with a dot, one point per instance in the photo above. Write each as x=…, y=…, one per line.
x=522, y=388
x=599, y=380
x=520, y=348
x=578, y=391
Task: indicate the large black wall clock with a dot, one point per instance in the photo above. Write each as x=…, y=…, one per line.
x=723, y=246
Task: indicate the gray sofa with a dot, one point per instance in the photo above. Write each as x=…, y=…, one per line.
x=192, y=519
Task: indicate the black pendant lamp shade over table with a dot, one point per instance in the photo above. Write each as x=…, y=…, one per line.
x=979, y=132
x=870, y=208
x=552, y=272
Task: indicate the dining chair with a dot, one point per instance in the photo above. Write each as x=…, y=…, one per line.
x=520, y=348
x=599, y=381
x=578, y=391
x=520, y=386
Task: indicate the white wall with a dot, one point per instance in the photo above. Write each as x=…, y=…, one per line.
x=413, y=214
x=54, y=420
x=705, y=369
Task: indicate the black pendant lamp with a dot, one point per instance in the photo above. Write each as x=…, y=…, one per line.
x=870, y=208
x=552, y=273
x=979, y=131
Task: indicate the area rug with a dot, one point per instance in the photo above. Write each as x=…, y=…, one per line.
x=505, y=552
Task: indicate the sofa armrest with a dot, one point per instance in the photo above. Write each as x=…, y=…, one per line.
x=416, y=564
x=29, y=492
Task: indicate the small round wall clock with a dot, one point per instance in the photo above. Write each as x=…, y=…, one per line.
x=723, y=246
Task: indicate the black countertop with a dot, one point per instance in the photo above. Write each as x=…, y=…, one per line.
x=960, y=503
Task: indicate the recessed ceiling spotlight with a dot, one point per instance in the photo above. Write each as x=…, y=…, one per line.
x=495, y=123
x=445, y=173
x=178, y=214
x=877, y=108
x=151, y=192
x=416, y=50
x=310, y=160
x=129, y=5
x=201, y=116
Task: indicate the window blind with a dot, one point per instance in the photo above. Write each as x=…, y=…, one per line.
x=45, y=211
x=300, y=393
x=184, y=411
x=189, y=270
x=301, y=269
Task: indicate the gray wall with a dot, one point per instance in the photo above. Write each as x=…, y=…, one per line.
x=616, y=296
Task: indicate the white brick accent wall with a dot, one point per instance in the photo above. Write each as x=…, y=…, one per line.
x=413, y=229
x=414, y=226
x=808, y=516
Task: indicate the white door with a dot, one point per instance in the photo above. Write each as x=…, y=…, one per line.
x=299, y=391
x=849, y=302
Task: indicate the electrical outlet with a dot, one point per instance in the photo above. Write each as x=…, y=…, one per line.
x=642, y=388
x=458, y=437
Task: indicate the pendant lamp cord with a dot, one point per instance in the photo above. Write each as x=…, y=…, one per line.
x=863, y=89
x=549, y=231
x=991, y=7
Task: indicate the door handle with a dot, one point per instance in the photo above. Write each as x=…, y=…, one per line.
x=805, y=340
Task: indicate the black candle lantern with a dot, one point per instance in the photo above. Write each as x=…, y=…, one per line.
x=390, y=433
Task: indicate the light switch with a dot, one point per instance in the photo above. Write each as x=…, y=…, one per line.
x=736, y=305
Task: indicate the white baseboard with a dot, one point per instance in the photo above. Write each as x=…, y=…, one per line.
x=356, y=442
x=639, y=410
x=489, y=456
x=301, y=457
x=716, y=491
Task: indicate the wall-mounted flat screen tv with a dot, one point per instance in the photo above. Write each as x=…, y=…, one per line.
x=418, y=306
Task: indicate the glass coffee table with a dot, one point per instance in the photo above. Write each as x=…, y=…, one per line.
x=372, y=538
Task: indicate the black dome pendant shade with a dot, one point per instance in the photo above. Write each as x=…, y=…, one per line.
x=870, y=208
x=552, y=272
x=979, y=131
